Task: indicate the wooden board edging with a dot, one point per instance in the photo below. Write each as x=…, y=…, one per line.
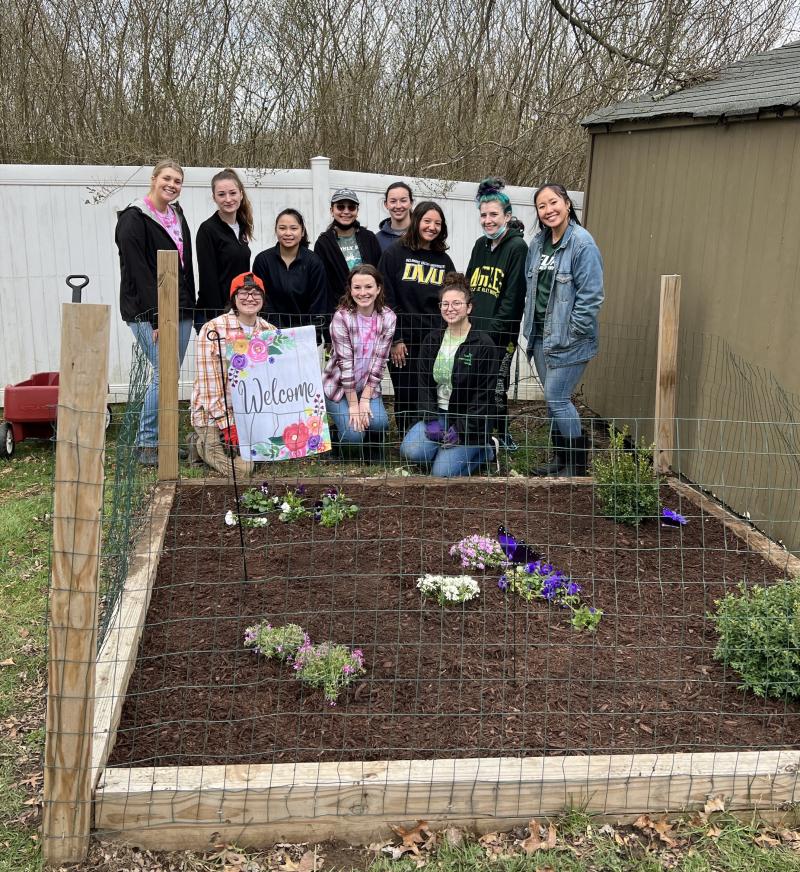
x=182, y=808
x=117, y=656
x=755, y=540
x=395, y=480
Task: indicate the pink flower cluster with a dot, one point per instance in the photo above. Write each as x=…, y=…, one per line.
x=479, y=552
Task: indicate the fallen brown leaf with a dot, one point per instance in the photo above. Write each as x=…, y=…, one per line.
x=309, y=862
x=535, y=842
x=714, y=803
x=7, y=662
x=765, y=841
x=413, y=838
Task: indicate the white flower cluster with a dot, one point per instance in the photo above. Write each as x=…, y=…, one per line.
x=449, y=588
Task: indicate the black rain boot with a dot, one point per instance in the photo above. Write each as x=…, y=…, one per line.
x=574, y=454
x=557, y=460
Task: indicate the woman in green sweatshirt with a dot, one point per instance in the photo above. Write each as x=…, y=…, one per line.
x=496, y=275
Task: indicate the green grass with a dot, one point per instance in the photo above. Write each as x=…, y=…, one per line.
x=25, y=505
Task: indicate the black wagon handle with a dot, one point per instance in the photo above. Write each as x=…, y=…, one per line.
x=77, y=283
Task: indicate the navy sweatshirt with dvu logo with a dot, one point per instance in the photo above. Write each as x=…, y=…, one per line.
x=412, y=280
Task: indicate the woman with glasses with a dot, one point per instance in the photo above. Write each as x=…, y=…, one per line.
x=457, y=375
x=344, y=245
x=414, y=269
x=216, y=439
x=294, y=275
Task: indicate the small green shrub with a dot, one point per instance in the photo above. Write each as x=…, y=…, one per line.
x=625, y=482
x=759, y=637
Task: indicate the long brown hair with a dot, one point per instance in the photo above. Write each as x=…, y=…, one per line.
x=411, y=238
x=348, y=303
x=244, y=214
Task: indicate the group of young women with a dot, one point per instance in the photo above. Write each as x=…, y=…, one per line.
x=393, y=298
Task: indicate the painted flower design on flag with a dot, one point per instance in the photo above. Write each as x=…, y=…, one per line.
x=258, y=350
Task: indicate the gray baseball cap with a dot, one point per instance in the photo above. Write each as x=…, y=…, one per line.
x=345, y=194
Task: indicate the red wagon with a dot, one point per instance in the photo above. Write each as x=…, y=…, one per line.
x=31, y=407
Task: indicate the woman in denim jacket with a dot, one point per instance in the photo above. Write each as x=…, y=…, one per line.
x=564, y=270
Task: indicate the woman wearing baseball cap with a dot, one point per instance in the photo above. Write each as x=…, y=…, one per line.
x=345, y=244
x=212, y=414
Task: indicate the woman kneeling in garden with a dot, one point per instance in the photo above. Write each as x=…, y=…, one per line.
x=212, y=414
x=457, y=376
x=361, y=336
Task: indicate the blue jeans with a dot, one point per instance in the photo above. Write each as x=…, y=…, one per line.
x=559, y=382
x=446, y=462
x=339, y=410
x=147, y=437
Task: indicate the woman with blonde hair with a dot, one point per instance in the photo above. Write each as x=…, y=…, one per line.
x=154, y=222
x=223, y=244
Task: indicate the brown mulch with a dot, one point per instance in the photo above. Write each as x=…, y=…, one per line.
x=496, y=677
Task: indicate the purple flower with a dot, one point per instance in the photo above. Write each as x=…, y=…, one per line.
x=331, y=493
x=313, y=443
x=502, y=582
x=272, y=360
x=573, y=588
x=673, y=516
x=348, y=669
x=264, y=488
x=300, y=490
x=239, y=361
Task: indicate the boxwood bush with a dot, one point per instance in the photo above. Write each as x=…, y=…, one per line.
x=626, y=484
x=759, y=637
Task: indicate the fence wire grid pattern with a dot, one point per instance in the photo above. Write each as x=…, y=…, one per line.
x=501, y=675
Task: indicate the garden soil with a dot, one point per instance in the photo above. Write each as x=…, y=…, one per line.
x=494, y=677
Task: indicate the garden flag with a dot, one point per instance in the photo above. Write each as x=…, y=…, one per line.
x=276, y=393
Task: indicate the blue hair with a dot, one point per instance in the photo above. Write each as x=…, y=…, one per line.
x=492, y=189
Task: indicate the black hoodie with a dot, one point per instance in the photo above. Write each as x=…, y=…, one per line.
x=139, y=238
x=497, y=281
x=412, y=280
x=221, y=256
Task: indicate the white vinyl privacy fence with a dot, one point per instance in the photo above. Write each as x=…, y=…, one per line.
x=60, y=220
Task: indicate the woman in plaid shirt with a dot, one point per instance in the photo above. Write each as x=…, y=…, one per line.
x=216, y=438
x=361, y=337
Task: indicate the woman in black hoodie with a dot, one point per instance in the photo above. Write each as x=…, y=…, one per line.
x=223, y=245
x=344, y=245
x=154, y=223
x=413, y=270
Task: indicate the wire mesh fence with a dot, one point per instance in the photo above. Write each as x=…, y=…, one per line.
x=343, y=608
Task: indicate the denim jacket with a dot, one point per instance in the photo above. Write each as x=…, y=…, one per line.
x=570, y=322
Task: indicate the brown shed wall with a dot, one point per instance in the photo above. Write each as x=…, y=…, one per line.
x=719, y=205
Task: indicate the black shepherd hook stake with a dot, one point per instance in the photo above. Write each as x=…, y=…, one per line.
x=214, y=336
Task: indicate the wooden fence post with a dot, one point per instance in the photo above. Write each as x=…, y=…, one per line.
x=667, y=371
x=72, y=630
x=168, y=365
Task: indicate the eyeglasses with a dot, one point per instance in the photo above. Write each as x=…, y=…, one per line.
x=346, y=206
x=250, y=295
x=457, y=305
